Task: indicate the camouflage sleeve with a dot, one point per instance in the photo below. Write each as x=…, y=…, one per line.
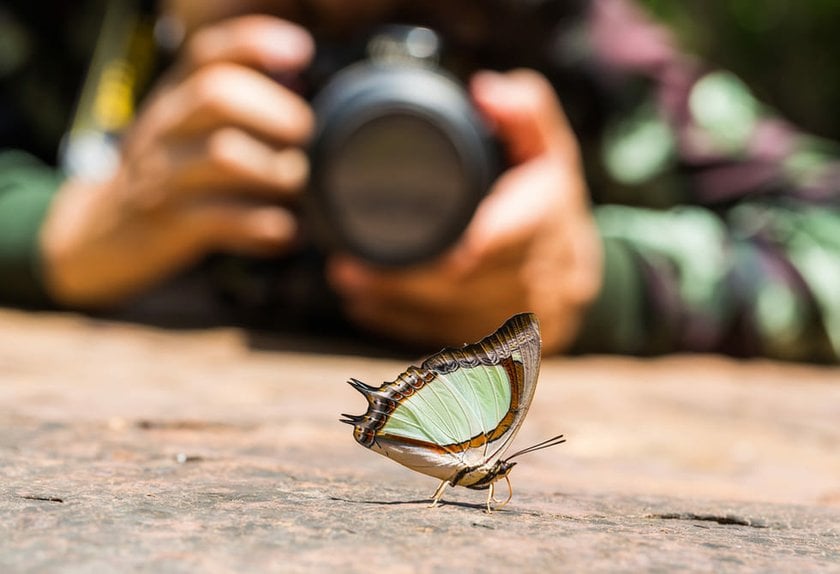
x=26, y=190
x=720, y=221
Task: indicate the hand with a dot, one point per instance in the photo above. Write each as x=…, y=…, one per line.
x=212, y=162
x=531, y=246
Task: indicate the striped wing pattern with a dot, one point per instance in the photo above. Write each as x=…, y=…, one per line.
x=459, y=411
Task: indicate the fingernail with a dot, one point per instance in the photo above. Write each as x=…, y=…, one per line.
x=288, y=46
x=489, y=84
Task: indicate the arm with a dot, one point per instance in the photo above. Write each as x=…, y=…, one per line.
x=761, y=281
x=531, y=246
x=752, y=267
x=727, y=274
x=212, y=162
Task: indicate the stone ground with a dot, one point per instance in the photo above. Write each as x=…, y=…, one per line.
x=130, y=448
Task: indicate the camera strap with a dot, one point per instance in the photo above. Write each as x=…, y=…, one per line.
x=120, y=70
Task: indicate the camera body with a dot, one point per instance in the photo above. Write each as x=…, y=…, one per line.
x=400, y=158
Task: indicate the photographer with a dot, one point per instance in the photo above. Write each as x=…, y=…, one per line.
x=214, y=160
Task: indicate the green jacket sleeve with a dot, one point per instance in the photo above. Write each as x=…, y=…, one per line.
x=26, y=190
x=720, y=220
x=616, y=321
x=759, y=281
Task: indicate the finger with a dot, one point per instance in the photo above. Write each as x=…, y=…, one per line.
x=511, y=216
x=240, y=228
x=231, y=159
x=525, y=111
x=531, y=124
x=229, y=162
x=224, y=95
x=263, y=42
x=230, y=156
x=428, y=286
x=427, y=290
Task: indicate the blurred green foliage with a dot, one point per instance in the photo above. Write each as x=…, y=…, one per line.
x=788, y=51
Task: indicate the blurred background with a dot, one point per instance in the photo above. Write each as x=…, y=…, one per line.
x=788, y=51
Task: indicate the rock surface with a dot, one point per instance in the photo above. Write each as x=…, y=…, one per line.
x=125, y=447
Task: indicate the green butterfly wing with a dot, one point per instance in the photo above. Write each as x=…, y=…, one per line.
x=458, y=411
x=453, y=408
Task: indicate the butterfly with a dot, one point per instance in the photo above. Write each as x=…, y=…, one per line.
x=454, y=417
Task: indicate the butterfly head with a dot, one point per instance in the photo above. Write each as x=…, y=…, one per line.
x=501, y=469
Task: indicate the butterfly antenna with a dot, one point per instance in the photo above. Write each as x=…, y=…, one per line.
x=553, y=441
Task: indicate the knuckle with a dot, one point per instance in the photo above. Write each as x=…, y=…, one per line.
x=210, y=87
x=291, y=168
x=200, y=48
x=300, y=124
x=145, y=187
x=223, y=148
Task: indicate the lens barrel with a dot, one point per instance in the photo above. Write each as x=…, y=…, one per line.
x=400, y=160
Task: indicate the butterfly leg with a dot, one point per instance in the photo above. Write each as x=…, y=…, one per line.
x=491, y=498
x=439, y=493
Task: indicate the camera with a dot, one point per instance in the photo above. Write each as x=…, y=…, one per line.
x=400, y=158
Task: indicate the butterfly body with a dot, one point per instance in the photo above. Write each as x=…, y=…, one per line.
x=454, y=416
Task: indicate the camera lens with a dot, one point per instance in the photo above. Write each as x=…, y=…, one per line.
x=400, y=161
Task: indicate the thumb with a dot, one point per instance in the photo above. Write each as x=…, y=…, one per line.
x=531, y=125
x=525, y=111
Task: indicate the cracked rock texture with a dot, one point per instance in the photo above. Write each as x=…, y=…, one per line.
x=126, y=448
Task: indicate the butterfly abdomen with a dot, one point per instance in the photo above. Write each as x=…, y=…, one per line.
x=480, y=478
